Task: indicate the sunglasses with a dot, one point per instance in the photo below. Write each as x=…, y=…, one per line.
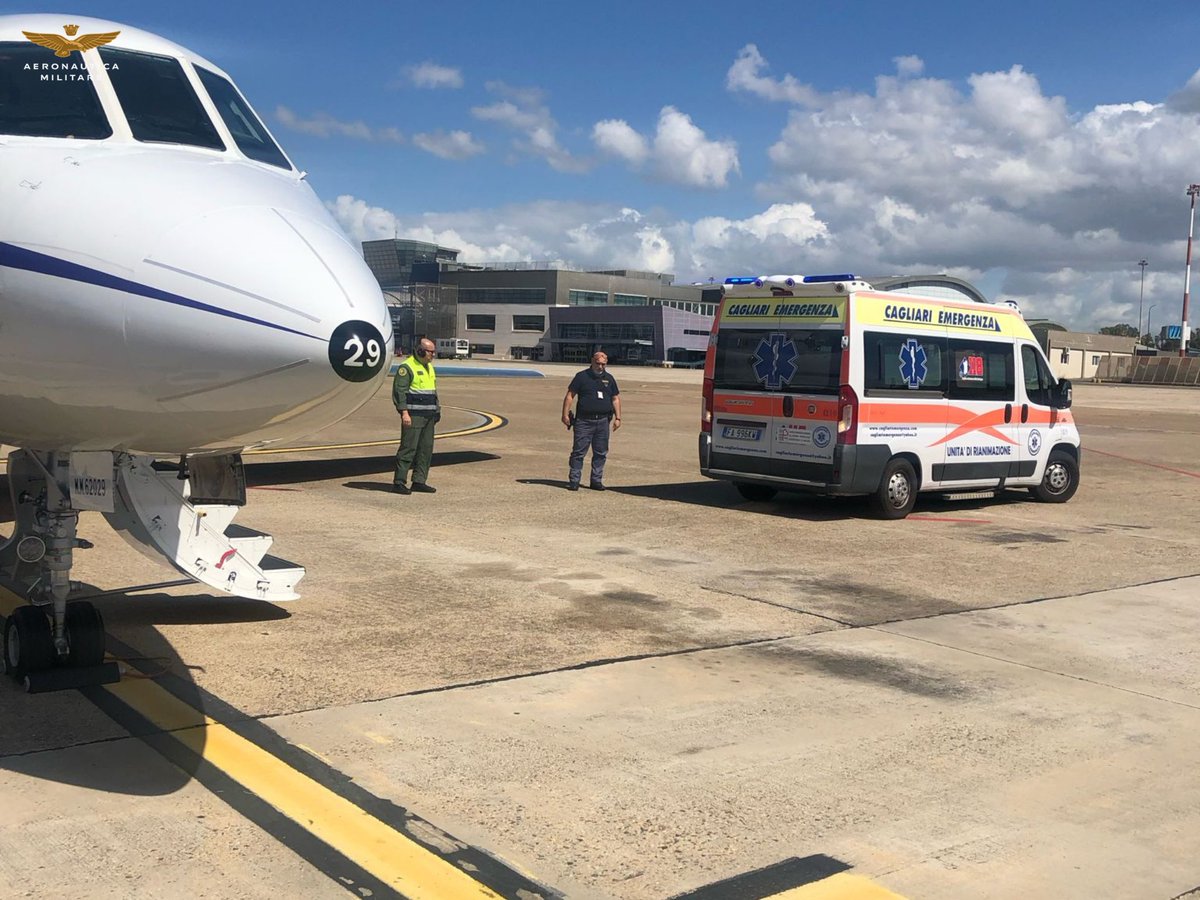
x=424, y=352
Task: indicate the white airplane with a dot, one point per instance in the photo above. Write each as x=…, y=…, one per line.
x=170, y=288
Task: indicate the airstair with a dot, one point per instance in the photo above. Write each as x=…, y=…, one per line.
x=153, y=511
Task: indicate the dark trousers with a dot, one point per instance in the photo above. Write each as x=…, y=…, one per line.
x=589, y=433
x=416, y=450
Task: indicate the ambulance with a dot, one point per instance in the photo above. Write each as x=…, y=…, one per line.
x=822, y=384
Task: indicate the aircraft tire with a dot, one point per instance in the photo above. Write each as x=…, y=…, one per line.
x=28, y=643
x=897, y=492
x=85, y=634
x=755, y=492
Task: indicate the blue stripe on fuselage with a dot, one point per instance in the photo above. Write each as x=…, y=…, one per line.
x=30, y=260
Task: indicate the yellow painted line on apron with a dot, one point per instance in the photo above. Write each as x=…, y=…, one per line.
x=493, y=422
x=387, y=854
x=842, y=886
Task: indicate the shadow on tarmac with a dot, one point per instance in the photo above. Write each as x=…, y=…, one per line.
x=799, y=505
x=68, y=737
x=268, y=474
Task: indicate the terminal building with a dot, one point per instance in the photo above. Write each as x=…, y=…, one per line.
x=532, y=310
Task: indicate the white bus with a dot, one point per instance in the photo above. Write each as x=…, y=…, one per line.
x=453, y=348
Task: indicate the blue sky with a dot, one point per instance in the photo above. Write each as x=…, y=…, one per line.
x=1038, y=150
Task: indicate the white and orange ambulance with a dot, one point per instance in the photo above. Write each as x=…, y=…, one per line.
x=823, y=384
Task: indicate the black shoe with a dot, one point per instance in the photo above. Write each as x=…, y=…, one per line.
x=401, y=489
x=573, y=486
x=420, y=487
x=597, y=486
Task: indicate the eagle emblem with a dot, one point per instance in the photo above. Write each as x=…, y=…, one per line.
x=65, y=46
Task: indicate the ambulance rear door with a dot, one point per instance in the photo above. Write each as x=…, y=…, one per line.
x=745, y=405
x=805, y=358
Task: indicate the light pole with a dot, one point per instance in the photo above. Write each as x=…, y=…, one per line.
x=1193, y=190
x=1141, y=297
x=1149, y=327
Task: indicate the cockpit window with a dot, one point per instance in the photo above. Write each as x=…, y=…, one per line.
x=158, y=100
x=248, y=132
x=42, y=95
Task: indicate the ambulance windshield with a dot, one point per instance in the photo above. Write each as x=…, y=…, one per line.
x=796, y=360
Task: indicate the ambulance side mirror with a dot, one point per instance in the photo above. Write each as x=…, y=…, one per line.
x=1061, y=394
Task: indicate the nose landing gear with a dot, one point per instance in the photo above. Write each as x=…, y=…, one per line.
x=50, y=643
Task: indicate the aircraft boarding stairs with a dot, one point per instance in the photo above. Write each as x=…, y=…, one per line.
x=153, y=510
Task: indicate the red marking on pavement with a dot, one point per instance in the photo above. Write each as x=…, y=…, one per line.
x=948, y=519
x=1144, y=463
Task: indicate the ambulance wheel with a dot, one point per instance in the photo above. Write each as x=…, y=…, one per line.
x=755, y=491
x=897, y=493
x=1059, y=481
x=28, y=643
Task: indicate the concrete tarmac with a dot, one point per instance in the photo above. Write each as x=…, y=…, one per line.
x=637, y=693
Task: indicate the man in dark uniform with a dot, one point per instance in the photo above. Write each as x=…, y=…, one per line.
x=599, y=403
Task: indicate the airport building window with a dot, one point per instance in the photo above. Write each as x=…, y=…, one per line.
x=484, y=349
x=529, y=323
x=481, y=323
x=1095, y=360
x=158, y=100
x=595, y=332
x=587, y=298
x=1065, y=355
x=247, y=130
x=630, y=300
x=502, y=295
x=36, y=108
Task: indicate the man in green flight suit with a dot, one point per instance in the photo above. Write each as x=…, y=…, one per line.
x=414, y=394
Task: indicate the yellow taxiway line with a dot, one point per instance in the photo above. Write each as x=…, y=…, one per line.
x=492, y=422
x=394, y=859
x=842, y=886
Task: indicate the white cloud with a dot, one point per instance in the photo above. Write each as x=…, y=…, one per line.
x=615, y=137
x=989, y=178
x=909, y=66
x=680, y=151
x=431, y=75
x=323, y=125
x=523, y=110
x=449, y=145
x=744, y=75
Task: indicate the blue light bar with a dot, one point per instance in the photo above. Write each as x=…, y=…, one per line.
x=814, y=279
x=741, y=279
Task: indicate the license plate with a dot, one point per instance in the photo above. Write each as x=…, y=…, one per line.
x=741, y=434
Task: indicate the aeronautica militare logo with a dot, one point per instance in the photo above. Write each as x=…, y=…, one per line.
x=914, y=363
x=775, y=361
x=65, y=46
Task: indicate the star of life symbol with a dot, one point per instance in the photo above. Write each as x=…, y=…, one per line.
x=913, y=363
x=775, y=361
x=1035, y=442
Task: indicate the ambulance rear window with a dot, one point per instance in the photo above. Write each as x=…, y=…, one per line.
x=796, y=360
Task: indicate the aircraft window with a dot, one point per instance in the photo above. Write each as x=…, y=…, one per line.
x=249, y=133
x=35, y=102
x=158, y=100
